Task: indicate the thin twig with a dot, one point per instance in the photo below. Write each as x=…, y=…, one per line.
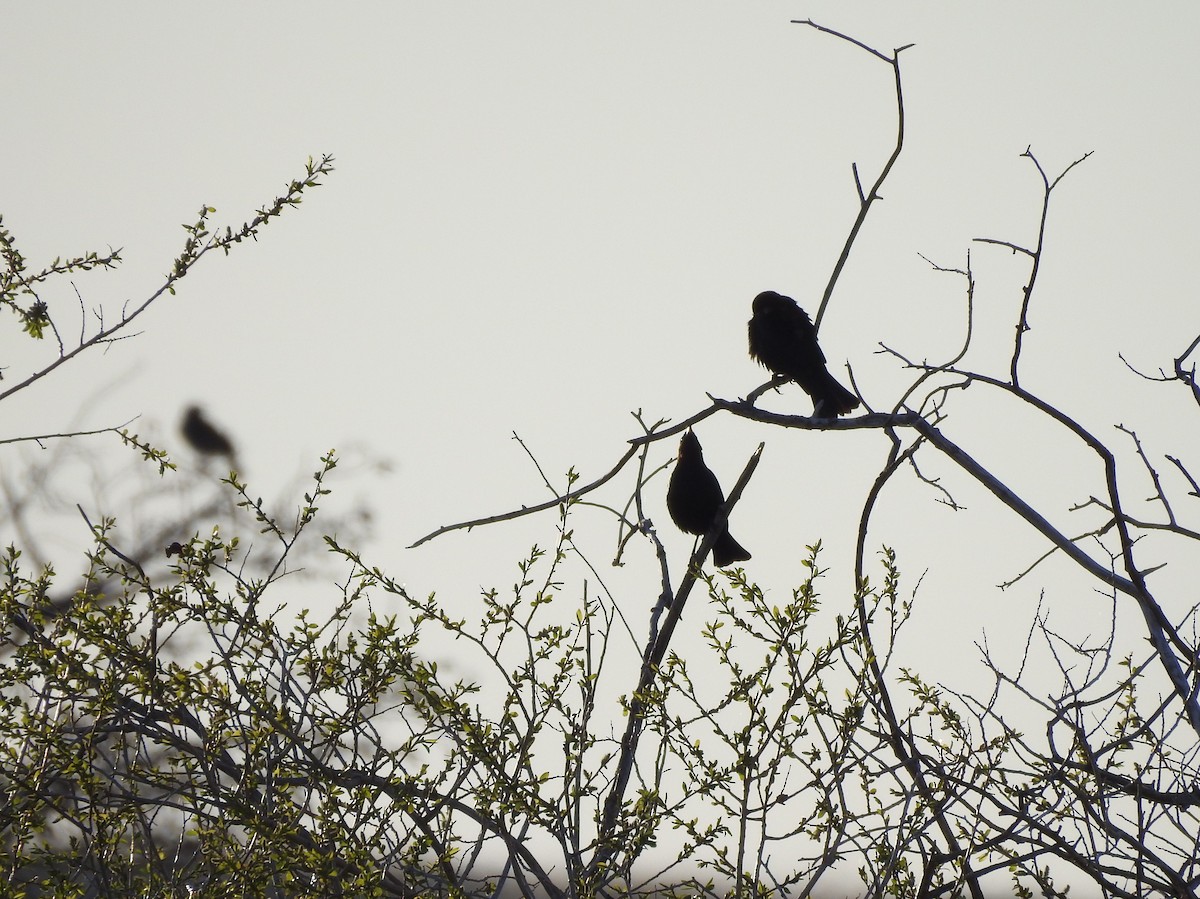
x=38, y=438
x=1150, y=469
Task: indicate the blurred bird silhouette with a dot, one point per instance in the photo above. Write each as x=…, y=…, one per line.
x=203, y=437
x=783, y=339
x=694, y=497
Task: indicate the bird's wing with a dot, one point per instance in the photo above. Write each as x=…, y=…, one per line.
x=804, y=334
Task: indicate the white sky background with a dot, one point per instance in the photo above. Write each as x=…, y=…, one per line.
x=546, y=215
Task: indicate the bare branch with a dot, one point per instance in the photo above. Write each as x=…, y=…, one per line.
x=1035, y=254
x=568, y=497
x=865, y=201
x=1005, y=243
x=634, y=444
x=40, y=438
x=1158, y=489
x=1188, y=375
x=1195, y=491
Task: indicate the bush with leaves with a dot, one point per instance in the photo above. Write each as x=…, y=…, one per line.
x=185, y=729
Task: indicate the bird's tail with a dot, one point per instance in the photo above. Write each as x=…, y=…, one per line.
x=835, y=400
x=726, y=551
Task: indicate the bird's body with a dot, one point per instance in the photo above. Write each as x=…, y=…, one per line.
x=694, y=497
x=783, y=339
x=203, y=436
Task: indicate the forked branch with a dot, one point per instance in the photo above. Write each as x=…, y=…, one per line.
x=865, y=199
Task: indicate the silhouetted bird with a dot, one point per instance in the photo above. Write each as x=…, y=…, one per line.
x=783, y=339
x=203, y=437
x=694, y=497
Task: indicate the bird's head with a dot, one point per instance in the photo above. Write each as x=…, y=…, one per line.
x=768, y=300
x=689, y=445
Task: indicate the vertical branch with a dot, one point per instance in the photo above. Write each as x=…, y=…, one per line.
x=1027, y=290
x=864, y=200
x=1034, y=254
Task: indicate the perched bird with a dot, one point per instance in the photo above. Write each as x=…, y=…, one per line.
x=783, y=339
x=694, y=497
x=203, y=437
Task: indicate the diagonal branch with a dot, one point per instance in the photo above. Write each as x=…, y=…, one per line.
x=651, y=660
x=571, y=495
x=199, y=243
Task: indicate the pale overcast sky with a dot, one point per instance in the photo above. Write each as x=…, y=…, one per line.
x=546, y=215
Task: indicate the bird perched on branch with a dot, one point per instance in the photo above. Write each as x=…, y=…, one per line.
x=203, y=437
x=694, y=497
x=783, y=339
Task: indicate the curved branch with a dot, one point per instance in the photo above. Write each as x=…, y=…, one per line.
x=865, y=200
